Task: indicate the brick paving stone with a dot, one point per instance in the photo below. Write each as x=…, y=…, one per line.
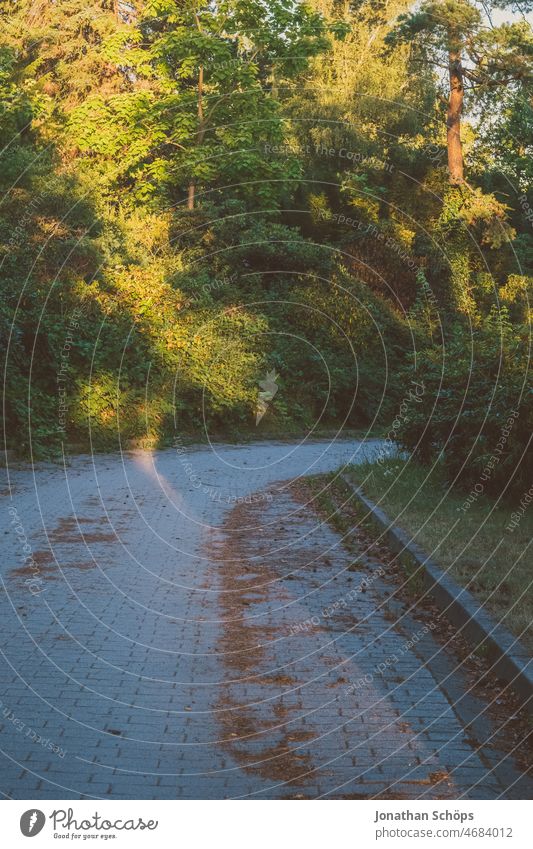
x=164, y=655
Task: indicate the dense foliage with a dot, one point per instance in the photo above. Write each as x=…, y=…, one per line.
x=195, y=196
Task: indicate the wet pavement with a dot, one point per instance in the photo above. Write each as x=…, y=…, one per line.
x=179, y=624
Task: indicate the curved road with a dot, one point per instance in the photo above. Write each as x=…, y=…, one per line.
x=178, y=624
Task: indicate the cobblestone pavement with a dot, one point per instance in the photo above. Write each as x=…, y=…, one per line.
x=164, y=640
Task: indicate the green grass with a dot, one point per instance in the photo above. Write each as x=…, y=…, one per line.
x=474, y=545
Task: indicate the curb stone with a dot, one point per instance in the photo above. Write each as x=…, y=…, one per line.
x=512, y=662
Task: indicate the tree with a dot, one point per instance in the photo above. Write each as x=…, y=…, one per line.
x=458, y=37
x=216, y=64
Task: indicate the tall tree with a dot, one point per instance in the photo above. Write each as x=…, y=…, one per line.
x=478, y=57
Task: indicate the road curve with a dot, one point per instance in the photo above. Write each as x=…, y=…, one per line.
x=178, y=624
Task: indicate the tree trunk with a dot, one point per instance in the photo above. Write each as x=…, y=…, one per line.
x=200, y=134
x=453, y=121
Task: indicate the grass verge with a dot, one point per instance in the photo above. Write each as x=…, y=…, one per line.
x=475, y=545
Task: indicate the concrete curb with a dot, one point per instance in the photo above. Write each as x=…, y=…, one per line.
x=512, y=662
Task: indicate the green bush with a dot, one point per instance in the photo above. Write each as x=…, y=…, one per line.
x=476, y=412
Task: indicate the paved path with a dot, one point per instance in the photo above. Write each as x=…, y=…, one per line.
x=184, y=628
